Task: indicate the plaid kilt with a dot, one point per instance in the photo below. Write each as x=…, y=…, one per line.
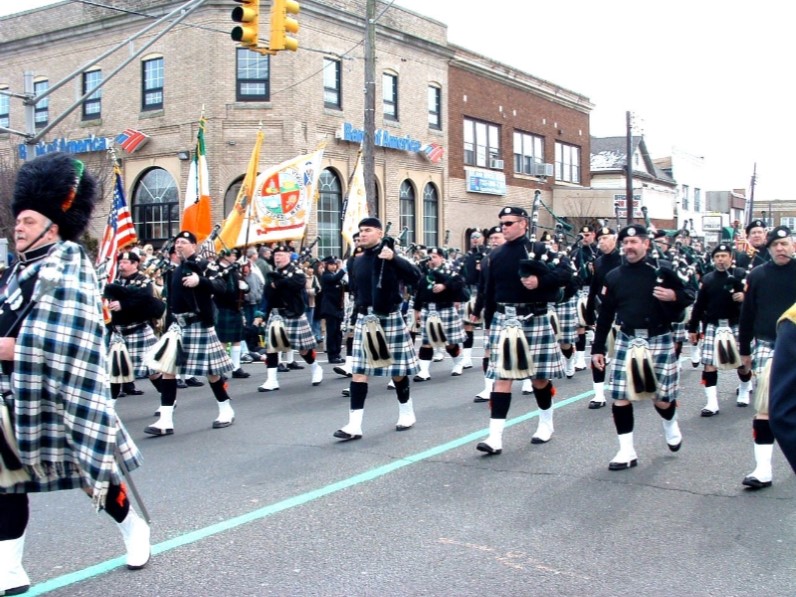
x=399, y=342
x=708, y=341
x=545, y=352
x=229, y=325
x=451, y=324
x=665, y=362
x=204, y=353
x=679, y=332
x=138, y=343
x=298, y=331
x=568, y=319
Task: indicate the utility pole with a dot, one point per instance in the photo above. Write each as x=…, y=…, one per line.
x=751, y=215
x=368, y=143
x=629, y=170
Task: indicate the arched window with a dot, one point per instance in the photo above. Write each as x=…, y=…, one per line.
x=430, y=216
x=231, y=196
x=156, y=206
x=330, y=205
x=407, y=211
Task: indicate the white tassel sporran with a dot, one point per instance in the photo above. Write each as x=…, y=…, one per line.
x=514, y=359
x=434, y=330
x=167, y=354
x=610, y=342
x=276, y=335
x=374, y=343
x=725, y=349
x=121, y=364
x=761, y=389
x=11, y=469
x=555, y=323
x=642, y=383
x=469, y=312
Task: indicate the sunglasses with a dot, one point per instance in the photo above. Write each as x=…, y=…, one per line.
x=508, y=223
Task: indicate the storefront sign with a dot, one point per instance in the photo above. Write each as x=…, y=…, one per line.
x=489, y=182
x=87, y=145
x=383, y=138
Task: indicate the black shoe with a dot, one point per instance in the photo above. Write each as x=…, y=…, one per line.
x=157, y=431
x=181, y=384
x=340, y=434
x=485, y=447
x=240, y=374
x=341, y=371
x=295, y=365
x=337, y=361
x=620, y=466
x=17, y=590
x=595, y=404
x=131, y=390
x=706, y=412
x=755, y=483
x=480, y=399
x=346, y=392
x=194, y=383
x=282, y=368
x=121, y=394
x=419, y=378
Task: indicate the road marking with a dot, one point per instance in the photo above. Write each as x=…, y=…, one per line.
x=266, y=511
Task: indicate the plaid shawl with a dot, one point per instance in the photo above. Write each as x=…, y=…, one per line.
x=64, y=419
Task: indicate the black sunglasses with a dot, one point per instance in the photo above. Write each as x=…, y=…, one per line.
x=508, y=223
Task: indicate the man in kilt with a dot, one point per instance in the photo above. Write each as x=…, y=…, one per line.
x=284, y=292
x=190, y=304
x=567, y=314
x=229, y=307
x=350, y=316
x=133, y=306
x=583, y=256
x=376, y=277
x=717, y=306
x=514, y=294
x=437, y=293
x=58, y=427
x=770, y=291
x=644, y=298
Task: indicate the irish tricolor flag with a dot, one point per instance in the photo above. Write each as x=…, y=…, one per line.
x=197, y=216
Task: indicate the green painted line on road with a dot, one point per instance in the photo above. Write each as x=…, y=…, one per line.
x=192, y=537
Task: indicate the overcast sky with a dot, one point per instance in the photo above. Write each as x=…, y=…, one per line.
x=709, y=78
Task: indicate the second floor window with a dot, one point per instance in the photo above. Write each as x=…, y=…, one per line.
x=567, y=163
x=5, y=108
x=697, y=199
x=389, y=92
x=434, y=107
x=528, y=151
x=332, y=84
x=92, y=105
x=152, y=77
x=686, y=199
x=481, y=143
x=252, y=83
x=41, y=115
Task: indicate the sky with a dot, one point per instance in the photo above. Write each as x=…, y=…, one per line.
x=706, y=78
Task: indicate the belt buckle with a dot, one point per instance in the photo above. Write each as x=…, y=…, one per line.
x=642, y=333
x=509, y=311
x=724, y=323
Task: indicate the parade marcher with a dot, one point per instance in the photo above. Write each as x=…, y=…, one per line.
x=608, y=260
x=190, y=308
x=435, y=306
x=523, y=277
x=756, y=253
x=332, y=307
x=133, y=306
x=782, y=386
x=717, y=309
x=58, y=427
x=350, y=313
x=471, y=270
x=566, y=314
x=645, y=298
x=376, y=278
x=770, y=291
x=254, y=297
x=495, y=239
x=284, y=293
x=229, y=306
x=583, y=256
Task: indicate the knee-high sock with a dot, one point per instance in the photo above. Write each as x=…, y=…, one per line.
x=402, y=389
x=168, y=392
x=359, y=391
x=116, y=504
x=623, y=418
x=219, y=388
x=14, y=515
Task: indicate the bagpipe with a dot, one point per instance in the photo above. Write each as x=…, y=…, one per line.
x=305, y=253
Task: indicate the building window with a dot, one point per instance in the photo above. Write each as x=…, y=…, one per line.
x=330, y=206
x=92, y=105
x=156, y=207
x=252, y=82
x=5, y=109
x=434, y=107
x=697, y=199
x=788, y=221
x=685, y=201
x=389, y=93
x=231, y=196
x=41, y=114
x=332, y=84
x=567, y=163
x=430, y=216
x=481, y=143
x=528, y=152
x=152, y=75
x=407, y=210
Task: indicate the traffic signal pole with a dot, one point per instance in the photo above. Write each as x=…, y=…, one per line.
x=368, y=141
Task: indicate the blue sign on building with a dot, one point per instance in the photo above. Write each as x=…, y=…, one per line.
x=87, y=145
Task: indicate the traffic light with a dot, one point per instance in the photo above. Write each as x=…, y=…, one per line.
x=281, y=25
x=248, y=15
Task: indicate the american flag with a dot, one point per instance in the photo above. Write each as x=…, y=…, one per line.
x=119, y=231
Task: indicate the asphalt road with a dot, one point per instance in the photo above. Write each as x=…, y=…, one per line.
x=274, y=505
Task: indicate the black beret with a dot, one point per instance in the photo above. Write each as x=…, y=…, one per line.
x=129, y=255
x=187, y=234
x=495, y=230
x=513, y=211
x=756, y=224
x=777, y=233
x=632, y=230
x=330, y=259
x=605, y=231
x=438, y=251
x=281, y=248
x=585, y=229
x=721, y=248
x=370, y=222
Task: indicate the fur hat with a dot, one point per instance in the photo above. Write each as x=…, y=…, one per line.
x=57, y=186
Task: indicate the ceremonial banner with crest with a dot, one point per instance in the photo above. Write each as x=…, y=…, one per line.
x=281, y=204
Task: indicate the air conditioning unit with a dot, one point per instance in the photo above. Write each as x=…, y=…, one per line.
x=542, y=169
x=496, y=163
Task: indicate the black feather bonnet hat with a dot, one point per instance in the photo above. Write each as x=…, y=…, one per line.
x=59, y=187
